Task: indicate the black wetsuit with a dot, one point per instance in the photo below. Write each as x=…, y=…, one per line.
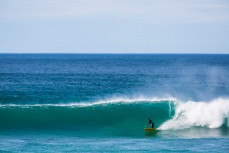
x=151, y=122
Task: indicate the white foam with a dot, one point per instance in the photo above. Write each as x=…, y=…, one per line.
x=132, y=100
x=205, y=114
x=100, y=102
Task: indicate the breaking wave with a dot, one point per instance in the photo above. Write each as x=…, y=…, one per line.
x=213, y=114
x=116, y=116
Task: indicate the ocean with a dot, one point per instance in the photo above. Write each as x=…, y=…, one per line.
x=101, y=102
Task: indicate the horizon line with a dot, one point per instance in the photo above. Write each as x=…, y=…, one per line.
x=104, y=53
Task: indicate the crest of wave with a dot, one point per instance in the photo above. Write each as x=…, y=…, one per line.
x=213, y=114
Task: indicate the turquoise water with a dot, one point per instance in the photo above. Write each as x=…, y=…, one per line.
x=45, y=143
x=101, y=102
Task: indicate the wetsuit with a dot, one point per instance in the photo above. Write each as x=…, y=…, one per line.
x=151, y=122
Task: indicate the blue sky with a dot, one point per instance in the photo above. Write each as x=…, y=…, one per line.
x=114, y=26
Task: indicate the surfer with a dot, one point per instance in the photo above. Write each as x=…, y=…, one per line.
x=150, y=122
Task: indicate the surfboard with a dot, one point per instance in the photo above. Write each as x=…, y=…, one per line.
x=150, y=129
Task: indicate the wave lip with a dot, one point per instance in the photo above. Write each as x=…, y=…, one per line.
x=100, y=102
x=213, y=114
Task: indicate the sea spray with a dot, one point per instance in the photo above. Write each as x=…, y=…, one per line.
x=199, y=114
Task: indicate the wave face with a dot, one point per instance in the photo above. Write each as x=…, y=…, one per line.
x=116, y=117
x=126, y=116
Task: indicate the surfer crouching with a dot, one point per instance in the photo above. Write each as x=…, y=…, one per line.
x=150, y=122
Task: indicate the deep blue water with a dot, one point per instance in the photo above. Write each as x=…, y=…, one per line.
x=63, y=78
x=91, y=102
